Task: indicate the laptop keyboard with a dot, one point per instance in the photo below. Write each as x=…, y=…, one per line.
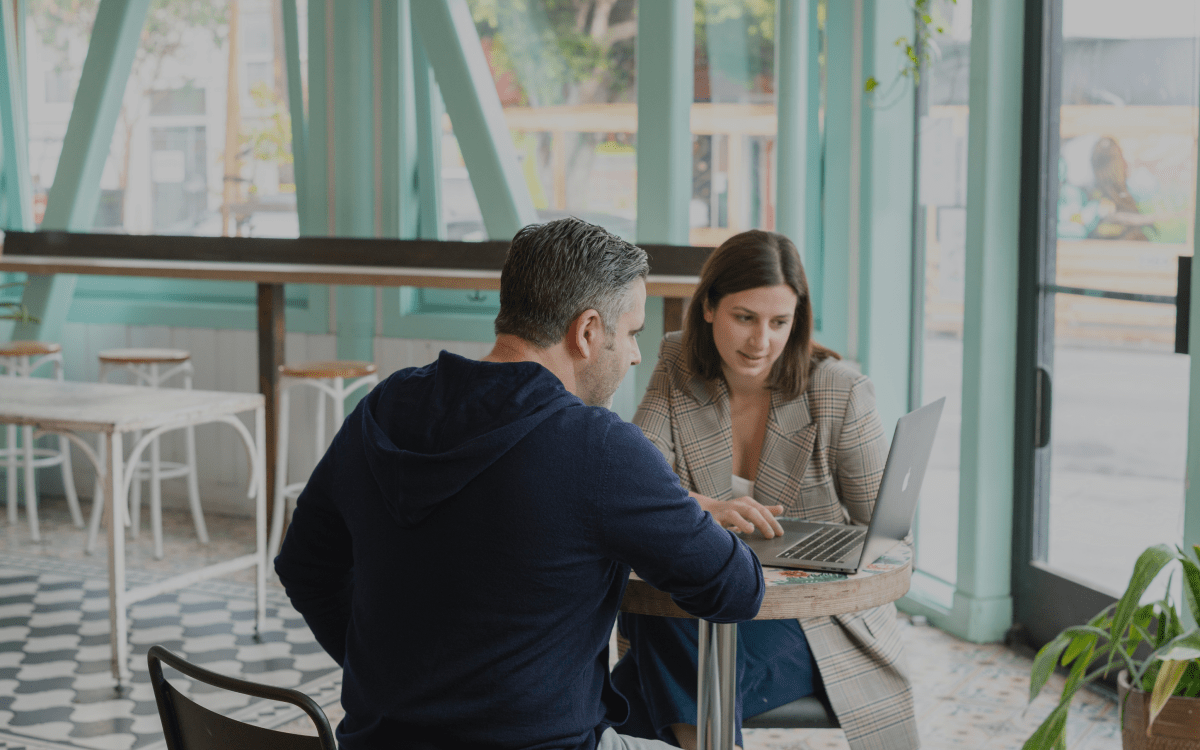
x=828, y=545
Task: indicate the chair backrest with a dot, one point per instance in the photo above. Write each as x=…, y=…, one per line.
x=189, y=726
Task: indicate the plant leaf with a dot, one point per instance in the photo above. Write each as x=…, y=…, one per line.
x=1044, y=662
x=1164, y=686
x=1051, y=732
x=870, y=85
x=1147, y=567
x=1141, y=621
x=1191, y=586
x=1182, y=648
x=1078, y=646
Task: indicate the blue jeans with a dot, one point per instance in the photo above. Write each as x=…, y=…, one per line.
x=658, y=674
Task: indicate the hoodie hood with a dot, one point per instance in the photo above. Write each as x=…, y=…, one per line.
x=428, y=432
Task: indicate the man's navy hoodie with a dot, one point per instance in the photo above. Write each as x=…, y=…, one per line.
x=462, y=549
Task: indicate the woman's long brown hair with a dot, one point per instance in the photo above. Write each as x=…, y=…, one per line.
x=747, y=261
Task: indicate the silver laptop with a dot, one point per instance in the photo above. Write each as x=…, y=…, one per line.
x=842, y=548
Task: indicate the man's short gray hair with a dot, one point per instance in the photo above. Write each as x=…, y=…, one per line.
x=555, y=271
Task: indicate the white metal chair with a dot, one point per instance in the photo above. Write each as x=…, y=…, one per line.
x=152, y=368
x=21, y=359
x=335, y=381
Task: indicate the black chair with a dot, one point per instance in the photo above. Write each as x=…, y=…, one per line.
x=190, y=726
x=809, y=712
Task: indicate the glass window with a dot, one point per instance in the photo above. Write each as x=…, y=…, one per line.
x=167, y=171
x=1126, y=207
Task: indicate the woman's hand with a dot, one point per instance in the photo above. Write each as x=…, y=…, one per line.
x=745, y=514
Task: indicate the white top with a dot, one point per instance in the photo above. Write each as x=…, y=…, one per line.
x=742, y=487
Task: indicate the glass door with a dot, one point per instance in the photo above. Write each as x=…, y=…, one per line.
x=1110, y=178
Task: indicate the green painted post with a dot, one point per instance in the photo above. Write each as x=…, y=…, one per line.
x=317, y=194
x=794, y=56
x=429, y=111
x=885, y=208
x=14, y=126
x=354, y=165
x=842, y=89
x=665, y=52
x=399, y=122
x=982, y=609
x=814, y=250
x=291, y=46
x=1191, y=497
x=453, y=48
x=75, y=194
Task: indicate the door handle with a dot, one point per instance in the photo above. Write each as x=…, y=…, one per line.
x=1043, y=403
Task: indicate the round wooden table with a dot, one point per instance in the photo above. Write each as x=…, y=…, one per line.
x=789, y=594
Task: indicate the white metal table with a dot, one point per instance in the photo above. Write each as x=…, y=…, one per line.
x=69, y=408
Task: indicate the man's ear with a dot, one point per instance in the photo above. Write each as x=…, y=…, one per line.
x=586, y=335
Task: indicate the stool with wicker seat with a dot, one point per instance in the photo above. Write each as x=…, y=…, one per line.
x=22, y=359
x=334, y=381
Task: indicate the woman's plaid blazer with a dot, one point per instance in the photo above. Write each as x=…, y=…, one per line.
x=822, y=459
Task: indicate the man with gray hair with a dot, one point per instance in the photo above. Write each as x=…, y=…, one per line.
x=463, y=547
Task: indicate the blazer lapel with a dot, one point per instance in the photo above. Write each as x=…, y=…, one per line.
x=787, y=447
x=707, y=438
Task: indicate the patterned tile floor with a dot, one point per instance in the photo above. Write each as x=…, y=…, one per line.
x=56, y=692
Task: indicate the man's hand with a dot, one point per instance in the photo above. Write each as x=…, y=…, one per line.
x=744, y=514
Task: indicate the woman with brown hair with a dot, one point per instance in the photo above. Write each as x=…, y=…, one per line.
x=758, y=420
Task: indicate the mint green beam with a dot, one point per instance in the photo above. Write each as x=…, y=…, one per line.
x=317, y=194
x=665, y=51
x=295, y=87
x=666, y=43
x=75, y=194
x=452, y=45
x=797, y=140
x=885, y=211
x=429, y=111
x=355, y=165
x=982, y=609
x=843, y=89
x=1191, y=495
x=400, y=204
x=14, y=126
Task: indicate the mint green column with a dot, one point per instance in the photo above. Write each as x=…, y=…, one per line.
x=665, y=90
x=354, y=164
x=429, y=111
x=1191, y=502
x=399, y=122
x=295, y=88
x=18, y=192
x=798, y=136
x=75, y=194
x=14, y=126
x=318, y=194
x=982, y=601
x=885, y=210
x=453, y=48
x=843, y=97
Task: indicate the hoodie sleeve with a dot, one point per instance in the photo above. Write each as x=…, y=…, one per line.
x=316, y=564
x=649, y=522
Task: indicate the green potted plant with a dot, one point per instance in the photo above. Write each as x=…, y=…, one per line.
x=1158, y=685
x=15, y=310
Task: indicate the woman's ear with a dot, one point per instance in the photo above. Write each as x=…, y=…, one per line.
x=708, y=312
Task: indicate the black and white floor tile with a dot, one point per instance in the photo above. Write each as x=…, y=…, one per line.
x=56, y=688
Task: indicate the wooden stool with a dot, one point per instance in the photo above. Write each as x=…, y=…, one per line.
x=152, y=368
x=20, y=359
x=334, y=381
